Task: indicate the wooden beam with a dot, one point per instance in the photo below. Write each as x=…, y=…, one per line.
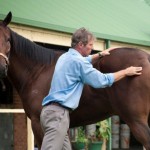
x=12, y=111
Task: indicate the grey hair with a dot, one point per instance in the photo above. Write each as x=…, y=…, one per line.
x=81, y=35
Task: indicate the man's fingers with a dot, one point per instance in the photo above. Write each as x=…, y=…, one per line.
x=107, y=53
x=138, y=73
x=138, y=68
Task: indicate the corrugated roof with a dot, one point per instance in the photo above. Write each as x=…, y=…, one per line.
x=118, y=20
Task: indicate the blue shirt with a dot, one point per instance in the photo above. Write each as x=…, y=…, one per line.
x=72, y=71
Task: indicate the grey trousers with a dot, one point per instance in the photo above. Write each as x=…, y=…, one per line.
x=55, y=124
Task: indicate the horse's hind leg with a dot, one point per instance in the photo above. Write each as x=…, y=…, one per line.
x=38, y=133
x=141, y=131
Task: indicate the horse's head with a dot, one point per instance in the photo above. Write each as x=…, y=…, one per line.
x=4, y=45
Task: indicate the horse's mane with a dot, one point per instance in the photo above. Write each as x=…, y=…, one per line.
x=30, y=50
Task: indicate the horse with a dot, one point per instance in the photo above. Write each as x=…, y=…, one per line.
x=30, y=67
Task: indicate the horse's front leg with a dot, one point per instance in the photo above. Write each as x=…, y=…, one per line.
x=37, y=131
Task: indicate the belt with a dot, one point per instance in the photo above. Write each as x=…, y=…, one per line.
x=58, y=104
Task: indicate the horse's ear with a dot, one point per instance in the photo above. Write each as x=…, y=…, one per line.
x=7, y=19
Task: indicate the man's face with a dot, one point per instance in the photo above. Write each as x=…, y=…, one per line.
x=86, y=49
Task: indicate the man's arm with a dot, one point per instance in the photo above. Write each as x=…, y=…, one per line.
x=98, y=55
x=130, y=71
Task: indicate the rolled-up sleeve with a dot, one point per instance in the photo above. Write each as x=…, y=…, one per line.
x=95, y=78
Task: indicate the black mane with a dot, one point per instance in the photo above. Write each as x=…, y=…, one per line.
x=31, y=50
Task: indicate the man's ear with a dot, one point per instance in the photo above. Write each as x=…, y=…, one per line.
x=80, y=43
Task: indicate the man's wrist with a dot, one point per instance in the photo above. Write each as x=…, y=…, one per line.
x=125, y=72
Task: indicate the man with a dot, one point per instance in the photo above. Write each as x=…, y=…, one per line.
x=72, y=71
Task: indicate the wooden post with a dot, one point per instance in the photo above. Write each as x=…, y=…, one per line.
x=30, y=137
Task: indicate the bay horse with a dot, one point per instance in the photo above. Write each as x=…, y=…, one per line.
x=30, y=68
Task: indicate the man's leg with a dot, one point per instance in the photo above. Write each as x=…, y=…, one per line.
x=55, y=124
x=67, y=143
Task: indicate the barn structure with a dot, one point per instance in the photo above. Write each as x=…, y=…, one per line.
x=51, y=24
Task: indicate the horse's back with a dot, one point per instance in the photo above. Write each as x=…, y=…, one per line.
x=121, y=58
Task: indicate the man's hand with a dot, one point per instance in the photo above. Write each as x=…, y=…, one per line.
x=107, y=51
x=130, y=71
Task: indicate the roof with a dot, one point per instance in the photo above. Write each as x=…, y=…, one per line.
x=118, y=20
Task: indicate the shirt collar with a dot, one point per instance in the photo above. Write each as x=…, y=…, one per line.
x=74, y=52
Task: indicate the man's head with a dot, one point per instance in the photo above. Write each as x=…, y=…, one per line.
x=82, y=41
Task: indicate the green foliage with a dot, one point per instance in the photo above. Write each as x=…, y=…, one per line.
x=81, y=137
x=103, y=131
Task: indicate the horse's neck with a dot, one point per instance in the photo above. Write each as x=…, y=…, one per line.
x=26, y=65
